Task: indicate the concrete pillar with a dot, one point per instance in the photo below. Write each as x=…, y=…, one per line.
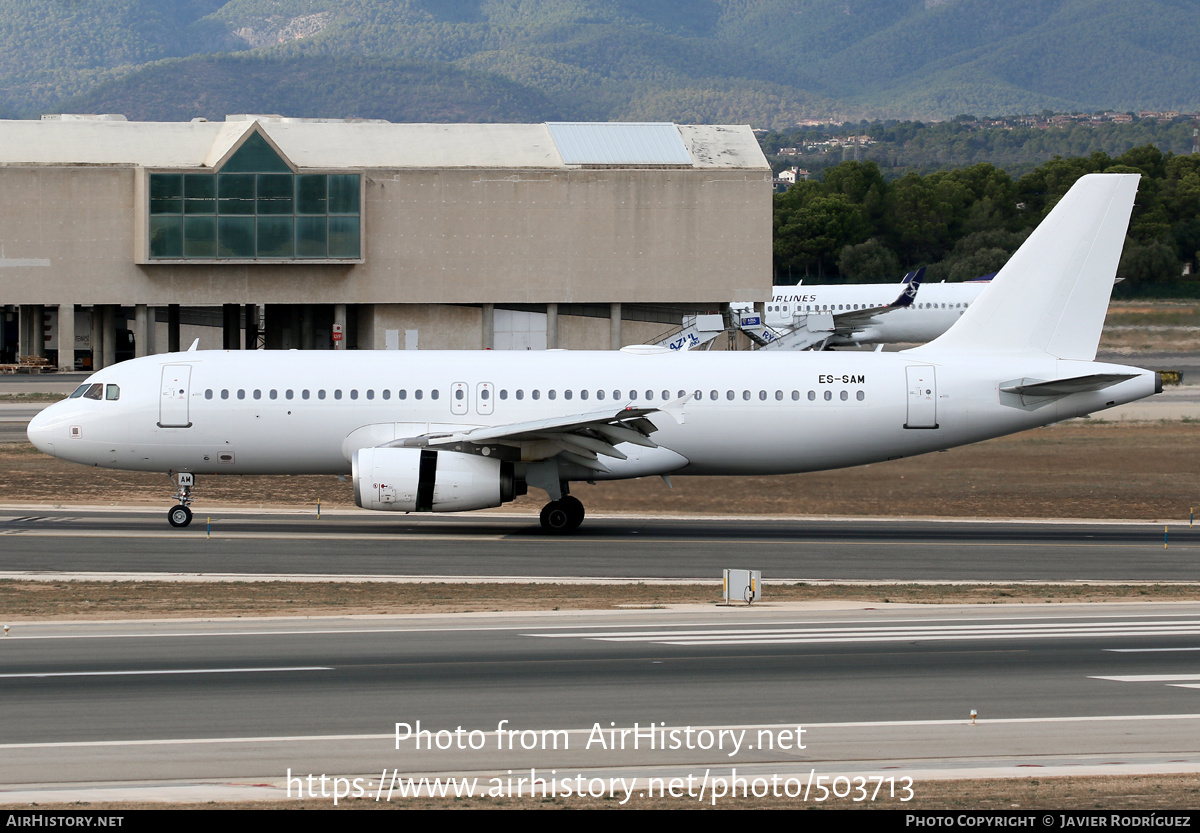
x=38, y=323
x=252, y=330
x=614, y=331
x=24, y=336
x=551, y=326
x=151, y=331
x=141, y=327
x=66, y=336
x=173, y=328
x=339, y=322
x=97, y=337
x=110, y=334
x=489, y=326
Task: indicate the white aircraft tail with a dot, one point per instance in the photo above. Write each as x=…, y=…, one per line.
x=1052, y=294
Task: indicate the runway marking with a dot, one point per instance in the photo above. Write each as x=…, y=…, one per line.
x=1152, y=678
x=1148, y=650
x=793, y=636
x=391, y=737
x=161, y=671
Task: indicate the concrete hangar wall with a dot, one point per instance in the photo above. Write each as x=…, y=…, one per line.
x=265, y=231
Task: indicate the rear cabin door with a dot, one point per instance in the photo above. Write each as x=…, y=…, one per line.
x=922, y=397
x=174, y=395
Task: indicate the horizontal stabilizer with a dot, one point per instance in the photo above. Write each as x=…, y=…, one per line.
x=1065, y=387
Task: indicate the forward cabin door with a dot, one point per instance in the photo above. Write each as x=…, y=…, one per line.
x=174, y=395
x=922, y=397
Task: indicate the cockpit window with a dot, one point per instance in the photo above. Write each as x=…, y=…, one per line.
x=112, y=392
x=95, y=391
x=79, y=391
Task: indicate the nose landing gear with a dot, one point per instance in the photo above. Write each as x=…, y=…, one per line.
x=180, y=515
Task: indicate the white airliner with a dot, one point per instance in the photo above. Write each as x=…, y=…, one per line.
x=452, y=431
x=852, y=314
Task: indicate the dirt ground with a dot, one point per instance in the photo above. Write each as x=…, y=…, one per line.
x=1082, y=469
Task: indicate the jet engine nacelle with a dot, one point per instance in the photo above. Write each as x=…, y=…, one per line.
x=429, y=480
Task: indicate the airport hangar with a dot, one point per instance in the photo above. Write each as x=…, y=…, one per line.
x=317, y=233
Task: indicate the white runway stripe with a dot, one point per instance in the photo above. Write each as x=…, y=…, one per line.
x=161, y=671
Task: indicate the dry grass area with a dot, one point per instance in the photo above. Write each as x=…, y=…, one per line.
x=26, y=601
x=1035, y=793
x=1081, y=469
x=1152, y=326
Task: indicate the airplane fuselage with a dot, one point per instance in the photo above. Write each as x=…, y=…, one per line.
x=272, y=412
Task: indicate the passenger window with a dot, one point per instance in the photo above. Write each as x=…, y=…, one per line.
x=274, y=393
x=458, y=394
x=402, y=394
x=417, y=394
x=337, y=394
x=386, y=393
x=321, y=394
x=433, y=394
x=746, y=395
x=550, y=394
x=729, y=395
x=486, y=394
x=762, y=394
x=504, y=393
x=778, y=396
x=860, y=396
x=520, y=394
x=633, y=395
x=370, y=395
x=845, y=395
x=354, y=393
x=224, y=393
x=616, y=394
x=828, y=395
x=241, y=394
x=288, y=394
x=257, y=393
x=537, y=394
x=583, y=394
x=599, y=394
x=304, y=394
x=566, y=394
x=712, y=394
x=207, y=394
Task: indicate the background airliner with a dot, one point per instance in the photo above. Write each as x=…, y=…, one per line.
x=453, y=431
x=854, y=314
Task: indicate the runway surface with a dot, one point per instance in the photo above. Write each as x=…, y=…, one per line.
x=122, y=708
x=358, y=544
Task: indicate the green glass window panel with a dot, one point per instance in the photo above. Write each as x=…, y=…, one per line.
x=235, y=193
x=275, y=237
x=200, y=237
x=343, y=237
x=311, y=237
x=235, y=237
x=343, y=193
x=199, y=194
x=257, y=157
x=275, y=193
x=312, y=194
x=166, y=193
x=166, y=237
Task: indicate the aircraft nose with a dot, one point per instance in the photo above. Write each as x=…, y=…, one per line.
x=40, y=432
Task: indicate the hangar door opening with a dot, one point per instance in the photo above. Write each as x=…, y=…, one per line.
x=922, y=397
x=518, y=330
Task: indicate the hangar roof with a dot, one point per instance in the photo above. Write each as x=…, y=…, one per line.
x=337, y=144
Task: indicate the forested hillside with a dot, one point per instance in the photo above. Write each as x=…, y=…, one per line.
x=855, y=226
x=770, y=63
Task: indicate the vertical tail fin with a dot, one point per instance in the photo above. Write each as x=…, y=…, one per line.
x=1052, y=294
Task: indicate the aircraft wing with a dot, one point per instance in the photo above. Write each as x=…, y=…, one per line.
x=579, y=438
x=848, y=322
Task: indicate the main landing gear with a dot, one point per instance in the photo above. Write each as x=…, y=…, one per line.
x=180, y=515
x=562, y=515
